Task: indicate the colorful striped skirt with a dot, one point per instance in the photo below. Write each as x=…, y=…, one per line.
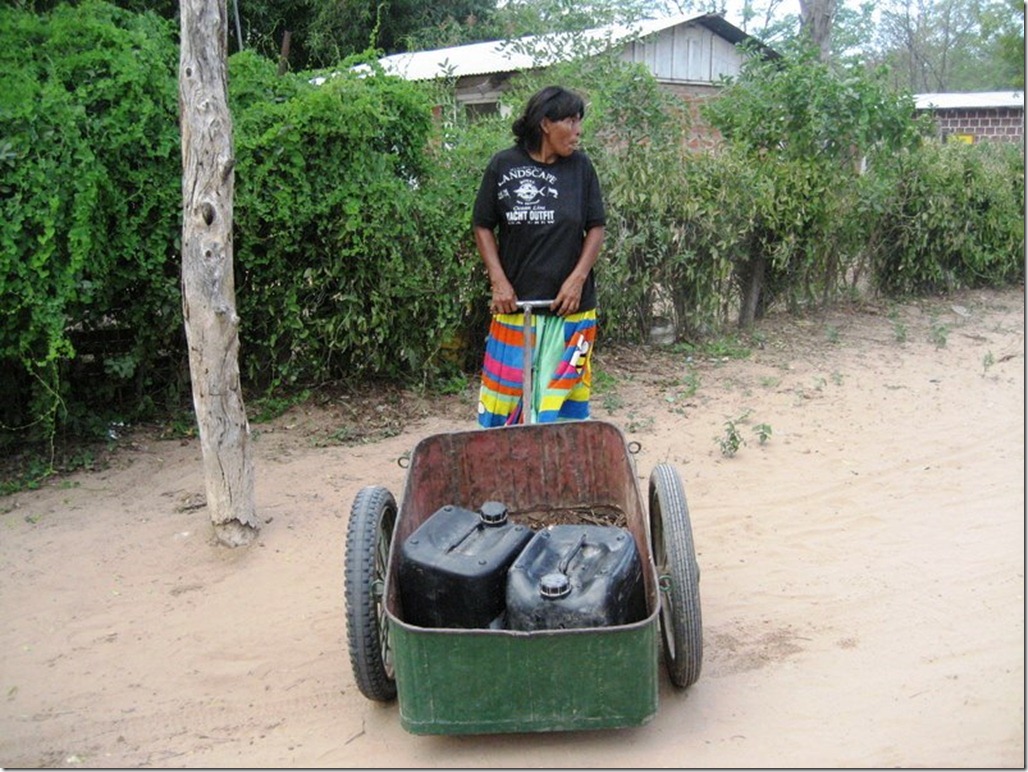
x=561, y=378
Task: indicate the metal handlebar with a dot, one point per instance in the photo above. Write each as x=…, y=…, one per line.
x=526, y=364
x=527, y=304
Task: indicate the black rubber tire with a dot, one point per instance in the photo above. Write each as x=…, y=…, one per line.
x=678, y=576
x=372, y=521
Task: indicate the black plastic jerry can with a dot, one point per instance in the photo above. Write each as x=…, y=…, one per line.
x=576, y=576
x=453, y=567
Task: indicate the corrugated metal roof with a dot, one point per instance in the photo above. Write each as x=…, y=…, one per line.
x=457, y=61
x=536, y=50
x=969, y=100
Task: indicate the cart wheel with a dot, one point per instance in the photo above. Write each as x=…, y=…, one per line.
x=372, y=520
x=678, y=575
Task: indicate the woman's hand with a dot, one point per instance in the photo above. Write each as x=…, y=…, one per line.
x=570, y=296
x=569, y=299
x=504, y=298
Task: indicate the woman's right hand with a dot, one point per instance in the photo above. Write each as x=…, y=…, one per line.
x=504, y=298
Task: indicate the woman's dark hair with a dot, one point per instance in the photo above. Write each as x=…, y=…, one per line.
x=552, y=102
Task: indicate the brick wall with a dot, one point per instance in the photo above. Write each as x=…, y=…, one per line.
x=701, y=135
x=981, y=124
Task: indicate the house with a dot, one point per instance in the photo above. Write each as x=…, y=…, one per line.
x=687, y=54
x=983, y=116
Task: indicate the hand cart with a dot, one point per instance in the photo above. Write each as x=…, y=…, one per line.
x=461, y=681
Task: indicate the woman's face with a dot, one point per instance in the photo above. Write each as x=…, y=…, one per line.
x=563, y=135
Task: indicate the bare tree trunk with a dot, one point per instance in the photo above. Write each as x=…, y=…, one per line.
x=283, y=57
x=208, y=287
x=752, y=283
x=816, y=18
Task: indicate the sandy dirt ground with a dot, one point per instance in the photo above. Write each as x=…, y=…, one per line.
x=862, y=571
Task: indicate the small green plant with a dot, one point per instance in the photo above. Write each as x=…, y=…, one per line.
x=763, y=432
x=80, y=459
x=181, y=425
x=7, y=487
x=34, y=472
x=938, y=334
x=343, y=435
x=837, y=378
x=731, y=440
x=987, y=361
x=690, y=384
x=636, y=424
x=612, y=402
x=455, y=384
x=899, y=329
x=832, y=333
x=721, y=348
x=269, y=408
x=603, y=382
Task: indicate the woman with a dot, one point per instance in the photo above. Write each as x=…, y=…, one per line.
x=539, y=223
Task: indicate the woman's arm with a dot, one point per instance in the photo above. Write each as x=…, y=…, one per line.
x=570, y=295
x=504, y=297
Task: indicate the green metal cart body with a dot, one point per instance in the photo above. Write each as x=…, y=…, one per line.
x=458, y=681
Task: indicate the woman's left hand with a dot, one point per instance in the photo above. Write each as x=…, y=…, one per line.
x=570, y=296
x=569, y=299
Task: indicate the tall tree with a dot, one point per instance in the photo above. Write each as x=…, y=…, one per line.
x=952, y=45
x=816, y=18
x=1010, y=42
x=853, y=33
x=998, y=59
x=208, y=290
x=761, y=19
x=340, y=28
x=516, y=18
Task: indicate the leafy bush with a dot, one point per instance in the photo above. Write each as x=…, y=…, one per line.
x=347, y=240
x=948, y=217
x=804, y=128
x=90, y=197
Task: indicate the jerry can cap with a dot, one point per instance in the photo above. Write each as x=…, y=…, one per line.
x=554, y=585
x=493, y=513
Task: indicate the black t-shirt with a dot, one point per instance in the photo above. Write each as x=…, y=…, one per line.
x=543, y=212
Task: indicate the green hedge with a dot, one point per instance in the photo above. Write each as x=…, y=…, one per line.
x=950, y=216
x=351, y=246
x=90, y=226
